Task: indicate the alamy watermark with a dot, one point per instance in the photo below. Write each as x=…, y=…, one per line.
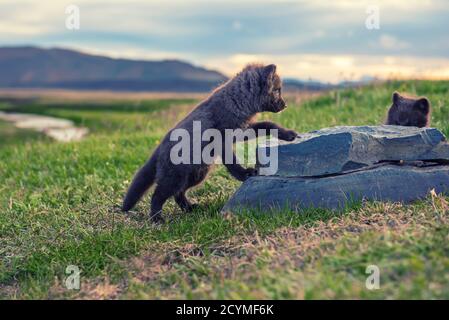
x=72, y=282
x=373, y=280
x=72, y=21
x=372, y=21
x=204, y=147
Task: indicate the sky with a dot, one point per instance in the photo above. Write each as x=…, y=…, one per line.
x=308, y=39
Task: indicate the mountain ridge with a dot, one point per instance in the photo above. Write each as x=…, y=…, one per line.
x=34, y=67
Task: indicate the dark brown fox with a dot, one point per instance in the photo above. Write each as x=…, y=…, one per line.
x=233, y=105
x=409, y=111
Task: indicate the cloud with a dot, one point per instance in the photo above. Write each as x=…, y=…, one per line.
x=389, y=42
x=27, y=18
x=320, y=39
x=335, y=68
x=236, y=25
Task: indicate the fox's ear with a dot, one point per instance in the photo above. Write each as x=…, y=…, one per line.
x=423, y=105
x=396, y=97
x=269, y=70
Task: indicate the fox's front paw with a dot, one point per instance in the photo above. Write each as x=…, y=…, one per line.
x=242, y=174
x=191, y=207
x=288, y=135
x=250, y=172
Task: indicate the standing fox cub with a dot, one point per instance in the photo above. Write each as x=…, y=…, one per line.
x=233, y=105
x=409, y=111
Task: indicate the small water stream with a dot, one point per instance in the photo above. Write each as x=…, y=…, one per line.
x=59, y=129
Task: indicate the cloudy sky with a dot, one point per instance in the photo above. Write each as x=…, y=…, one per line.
x=308, y=39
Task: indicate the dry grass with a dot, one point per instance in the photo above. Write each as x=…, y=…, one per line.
x=61, y=95
x=250, y=259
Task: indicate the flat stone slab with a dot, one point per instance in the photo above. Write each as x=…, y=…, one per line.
x=333, y=167
x=59, y=129
x=384, y=183
x=343, y=149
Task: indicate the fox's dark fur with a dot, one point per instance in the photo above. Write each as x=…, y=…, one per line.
x=233, y=105
x=409, y=111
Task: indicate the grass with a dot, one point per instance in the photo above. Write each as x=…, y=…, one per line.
x=10, y=135
x=59, y=206
x=116, y=116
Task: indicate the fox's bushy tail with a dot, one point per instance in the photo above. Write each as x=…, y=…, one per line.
x=142, y=181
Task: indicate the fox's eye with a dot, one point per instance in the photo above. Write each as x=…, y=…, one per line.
x=277, y=92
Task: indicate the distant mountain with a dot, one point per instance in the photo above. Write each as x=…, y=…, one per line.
x=290, y=84
x=31, y=67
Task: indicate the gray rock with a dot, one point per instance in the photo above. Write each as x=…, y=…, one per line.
x=384, y=183
x=332, y=167
x=341, y=149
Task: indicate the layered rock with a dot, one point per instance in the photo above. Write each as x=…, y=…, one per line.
x=333, y=167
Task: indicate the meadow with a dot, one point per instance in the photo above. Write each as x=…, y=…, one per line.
x=60, y=206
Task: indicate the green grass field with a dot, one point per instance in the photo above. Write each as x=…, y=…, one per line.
x=59, y=206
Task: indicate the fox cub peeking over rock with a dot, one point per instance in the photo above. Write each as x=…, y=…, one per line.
x=409, y=111
x=233, y=105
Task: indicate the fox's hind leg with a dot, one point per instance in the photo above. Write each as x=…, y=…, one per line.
x=161, y=194
x=195, y=177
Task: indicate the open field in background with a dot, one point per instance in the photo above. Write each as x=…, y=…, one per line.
x=61, y=95
x=59, y=206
